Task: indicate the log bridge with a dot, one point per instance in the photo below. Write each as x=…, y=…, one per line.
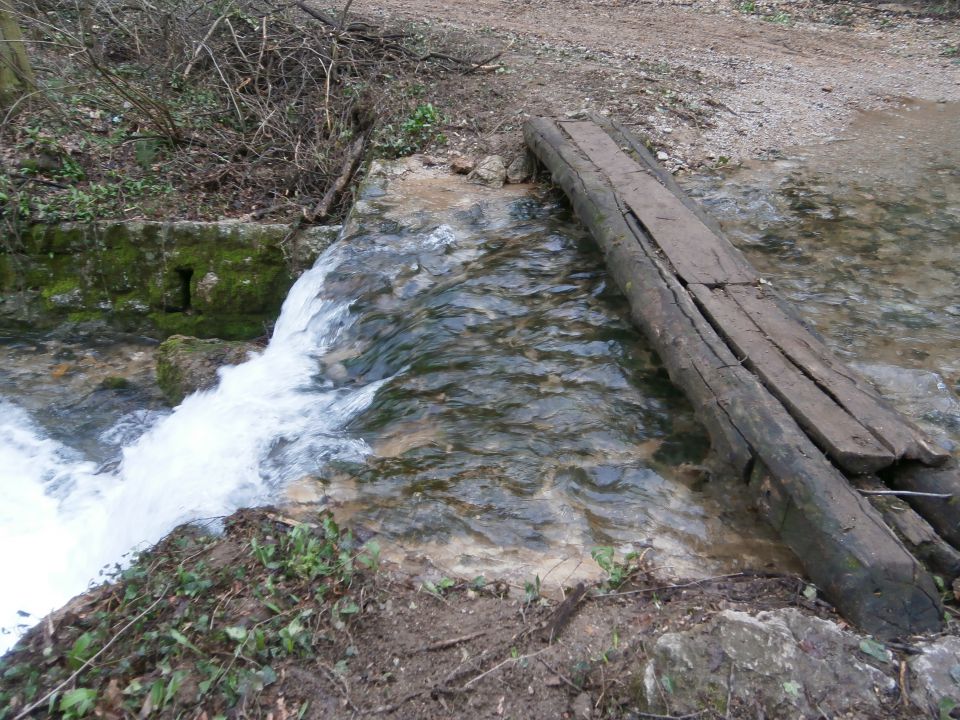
x=812, y=439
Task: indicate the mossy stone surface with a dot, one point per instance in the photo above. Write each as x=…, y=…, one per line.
x=222, y=279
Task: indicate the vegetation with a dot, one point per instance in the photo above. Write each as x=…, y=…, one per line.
x=196, y=623
x=170, y=108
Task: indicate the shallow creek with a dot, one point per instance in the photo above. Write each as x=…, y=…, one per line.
x=862, y=234
x=456, y=375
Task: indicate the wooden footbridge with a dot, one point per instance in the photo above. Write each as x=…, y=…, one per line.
x=811, y=437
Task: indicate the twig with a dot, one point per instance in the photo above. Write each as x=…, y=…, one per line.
x=203, y=43
x=500, y=665
x=480, y=64
x=33, y=706
x=444, y=644
x=908, y=493
x=560, y=676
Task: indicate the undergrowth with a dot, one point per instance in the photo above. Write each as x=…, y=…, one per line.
x=153, y=109
x=197, y=623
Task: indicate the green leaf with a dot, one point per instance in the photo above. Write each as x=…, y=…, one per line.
x=875, y=650
x=236, y=633
x=183, y=640
x=78, y=702
x=348, y=608
x=810, y=592
x=81, y=651
x=792, y=688
x=667, y=683
x=946, y=706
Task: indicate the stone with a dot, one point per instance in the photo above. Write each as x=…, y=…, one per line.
x=661, y=156
x=462, y=165
x=783, y=663
x=520, y=169
x=582, y=707
x=935, y=675
x=188, y=364
x=490, y=171
x=212, y=279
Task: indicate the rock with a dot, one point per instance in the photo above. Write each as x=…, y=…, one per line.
x=935, y=675
x=187, y=364
x=661, y=156
x=520, y=169
x=490, y=171
x=462, y=165
x=782, y=663
x=582, y=707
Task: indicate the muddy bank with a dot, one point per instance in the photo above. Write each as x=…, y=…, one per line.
x=298, y=618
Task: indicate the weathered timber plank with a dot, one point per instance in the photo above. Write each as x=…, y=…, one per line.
x=913, y=531
x=636, y=150
x=694, y=250
x=942, y=514
x=848, y=443
x=842, y=541
x=847, y=387
x=597, y=208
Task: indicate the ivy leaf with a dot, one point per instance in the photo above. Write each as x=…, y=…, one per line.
x=875, y=650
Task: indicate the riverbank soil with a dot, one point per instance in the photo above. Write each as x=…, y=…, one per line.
x=709, y=82
x=290, y=618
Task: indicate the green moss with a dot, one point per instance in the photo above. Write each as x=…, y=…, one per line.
x=115, y=383
x=201, y=279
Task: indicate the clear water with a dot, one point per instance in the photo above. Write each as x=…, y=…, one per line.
x=454, y=374
x=863, y=235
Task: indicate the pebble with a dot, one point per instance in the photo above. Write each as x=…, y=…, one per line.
x=661, y=156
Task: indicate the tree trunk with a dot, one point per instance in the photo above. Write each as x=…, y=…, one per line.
x=16, y=76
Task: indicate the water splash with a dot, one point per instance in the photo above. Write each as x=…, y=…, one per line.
x=62, y=522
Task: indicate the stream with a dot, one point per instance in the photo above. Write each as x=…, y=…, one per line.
x=456, y=376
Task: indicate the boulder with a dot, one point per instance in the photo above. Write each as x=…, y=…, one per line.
x=490, y=171
x=935, y=676
x=462, y=165
x=520, y=169
x=187, y=364
x=777, y=664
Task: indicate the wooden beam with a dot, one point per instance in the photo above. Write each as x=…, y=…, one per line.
x=844, y=545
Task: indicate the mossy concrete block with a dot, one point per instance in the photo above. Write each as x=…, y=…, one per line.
x=224, y=279
x=188, y=364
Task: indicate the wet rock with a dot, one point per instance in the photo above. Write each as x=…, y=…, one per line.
x=490, y=171
x=218, y=279
x=462, y=165
x=520, y=169
x=782, y=662
x=935, y=675
x=187, y=364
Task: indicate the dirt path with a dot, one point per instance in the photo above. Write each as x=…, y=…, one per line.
x=704, y=80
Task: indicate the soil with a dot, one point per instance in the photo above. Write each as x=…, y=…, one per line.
x=174, y=636
x=709, y=82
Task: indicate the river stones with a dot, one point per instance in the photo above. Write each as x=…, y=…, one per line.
x=777, y=664
x=187, y=364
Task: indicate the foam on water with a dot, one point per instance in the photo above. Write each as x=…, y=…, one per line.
x=61, y=522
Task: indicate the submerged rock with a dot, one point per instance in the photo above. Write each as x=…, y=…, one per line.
x=187, y=364
x=782, y=663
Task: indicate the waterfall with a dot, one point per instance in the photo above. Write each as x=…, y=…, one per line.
x=267, y=422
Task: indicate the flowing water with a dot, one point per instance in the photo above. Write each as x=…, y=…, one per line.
x=454, y=374
x=862, y=234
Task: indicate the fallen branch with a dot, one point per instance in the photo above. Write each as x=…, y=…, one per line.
x=322, y=208
x=908, y=493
